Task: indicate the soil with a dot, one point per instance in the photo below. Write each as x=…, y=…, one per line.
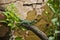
x=4, y=29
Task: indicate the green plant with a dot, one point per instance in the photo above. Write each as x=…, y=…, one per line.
x=55, y=7
x=12, y=19
x=18, y=38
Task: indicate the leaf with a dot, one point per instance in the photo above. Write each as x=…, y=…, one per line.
x=18, y=38
x=51, y=38
x=54, y=20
